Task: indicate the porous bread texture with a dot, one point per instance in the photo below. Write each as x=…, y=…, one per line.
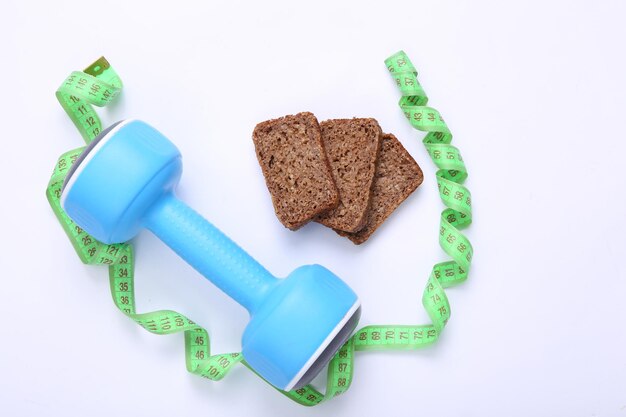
x=352, y=147
x=291, y=153
x=397, y=176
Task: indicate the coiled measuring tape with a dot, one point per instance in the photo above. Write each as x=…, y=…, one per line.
x=99, y=84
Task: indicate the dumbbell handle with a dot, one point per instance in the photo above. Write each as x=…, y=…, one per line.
x=209, y=251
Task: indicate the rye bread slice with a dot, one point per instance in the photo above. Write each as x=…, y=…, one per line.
x=397, y=176
x=352, y=147
x=291, y=154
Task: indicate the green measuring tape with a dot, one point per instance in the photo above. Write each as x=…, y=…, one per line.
x=99, y=84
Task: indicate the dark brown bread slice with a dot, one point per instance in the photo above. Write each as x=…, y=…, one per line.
x=291, y=154
x=352, y=147
x=397, y=176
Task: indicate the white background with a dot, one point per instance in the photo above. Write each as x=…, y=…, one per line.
x=535, y=94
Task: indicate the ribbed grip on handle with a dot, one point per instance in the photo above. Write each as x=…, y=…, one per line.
x=210, y=251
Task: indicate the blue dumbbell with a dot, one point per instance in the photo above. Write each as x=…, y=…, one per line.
x=125, y=180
